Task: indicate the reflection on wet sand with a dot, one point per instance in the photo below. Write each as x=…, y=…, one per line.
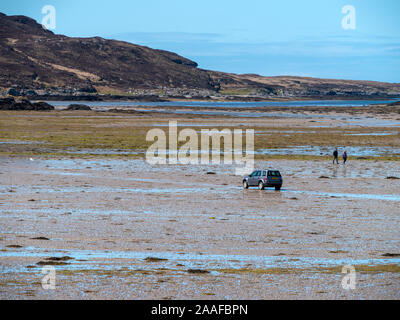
x=118, y=220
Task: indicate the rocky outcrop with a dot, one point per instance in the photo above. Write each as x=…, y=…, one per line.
x=77, y=107
x=6, y=102
x=42, y=106
x=24, y=105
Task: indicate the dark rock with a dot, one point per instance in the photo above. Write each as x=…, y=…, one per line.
x=13, y=92
x=153, y=259
x=392, y=178
x=66, y=258
x=315, y=233
x=11, y=104
x=43, y=106
x=40, y=238
x=75, y=107
x=31, y=93
x=391, y=255
x=324, y=177
x=198, y=271
x=52, y=263
x=5, y=102
x=23, y=105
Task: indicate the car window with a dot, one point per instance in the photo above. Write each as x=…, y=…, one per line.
x=264, y=173
x=258, y=173
x=253, y=174
x=274, y=173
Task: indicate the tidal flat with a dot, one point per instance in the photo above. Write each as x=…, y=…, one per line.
x=77, y=194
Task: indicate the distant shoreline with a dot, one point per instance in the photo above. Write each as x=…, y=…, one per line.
x=109, y=98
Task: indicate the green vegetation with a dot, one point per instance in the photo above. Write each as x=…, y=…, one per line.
x=364, y=269
x=124, y=272
x=83, y=133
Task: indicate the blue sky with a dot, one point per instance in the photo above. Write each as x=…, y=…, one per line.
x=268, y=37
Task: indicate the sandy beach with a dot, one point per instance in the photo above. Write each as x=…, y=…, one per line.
x=116, y=227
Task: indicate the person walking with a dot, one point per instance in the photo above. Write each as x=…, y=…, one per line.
x=344, y=156
x=336, y=156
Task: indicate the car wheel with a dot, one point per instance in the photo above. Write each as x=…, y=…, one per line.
x=261, y=185
x=245, y=185
x=277, y=188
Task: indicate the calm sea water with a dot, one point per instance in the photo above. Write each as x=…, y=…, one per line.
x=239, y=104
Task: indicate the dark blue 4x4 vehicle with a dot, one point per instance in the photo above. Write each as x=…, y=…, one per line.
x=263, y=179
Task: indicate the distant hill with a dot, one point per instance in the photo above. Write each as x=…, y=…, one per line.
x=37, y=61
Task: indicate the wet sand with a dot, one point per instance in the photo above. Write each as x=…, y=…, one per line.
x=134, y=231
x=76, y=194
